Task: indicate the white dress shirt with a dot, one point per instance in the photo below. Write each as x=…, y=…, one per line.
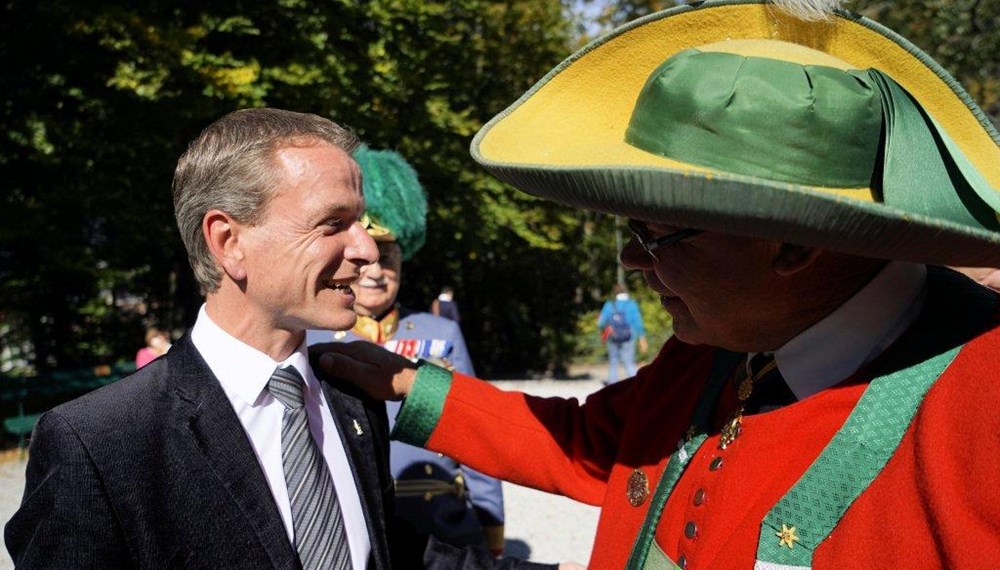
x=856, y=332
x=243, y=373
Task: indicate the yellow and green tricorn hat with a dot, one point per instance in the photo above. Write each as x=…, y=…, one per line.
x=735, y=117
x=395, y=205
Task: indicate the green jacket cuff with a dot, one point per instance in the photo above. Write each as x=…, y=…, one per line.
x=421, y=410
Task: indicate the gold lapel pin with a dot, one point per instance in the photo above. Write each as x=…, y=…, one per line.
x=357, y=427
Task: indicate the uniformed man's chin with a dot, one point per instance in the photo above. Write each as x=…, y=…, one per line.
x=691, y=341
x=686, y=333
x=363, y=310
x=370, y=305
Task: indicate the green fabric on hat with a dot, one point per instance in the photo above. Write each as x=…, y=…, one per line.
x=923, y=170
x=719, y=110
x=393, y=197
x=565, y=140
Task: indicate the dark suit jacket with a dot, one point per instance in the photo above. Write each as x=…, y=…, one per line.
x=156, y=471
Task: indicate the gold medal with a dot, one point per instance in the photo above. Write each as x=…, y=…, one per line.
x=731, y=431
x=637, y=489
x=746, y=386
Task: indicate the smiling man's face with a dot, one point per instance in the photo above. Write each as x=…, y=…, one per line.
x=304, y=256
x=378, y=287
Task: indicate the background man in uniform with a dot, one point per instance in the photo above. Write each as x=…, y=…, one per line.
x=795, y=190
x=434, y=493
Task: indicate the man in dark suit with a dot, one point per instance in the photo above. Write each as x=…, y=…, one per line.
x=195, y=461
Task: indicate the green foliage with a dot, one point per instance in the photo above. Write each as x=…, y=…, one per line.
x=659, y=326
x=99, y=100
x=962, y=35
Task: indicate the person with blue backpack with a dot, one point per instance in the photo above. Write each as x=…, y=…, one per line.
x=620, y=323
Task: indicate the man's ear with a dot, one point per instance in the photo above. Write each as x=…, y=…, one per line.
x=222, y=233
x=791, y=259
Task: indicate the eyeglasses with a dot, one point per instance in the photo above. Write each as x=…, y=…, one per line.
x=650, y=243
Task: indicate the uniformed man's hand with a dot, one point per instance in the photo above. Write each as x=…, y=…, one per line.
x=572, y=566
x=381, y=374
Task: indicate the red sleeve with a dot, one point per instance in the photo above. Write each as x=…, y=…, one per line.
x=560, y=445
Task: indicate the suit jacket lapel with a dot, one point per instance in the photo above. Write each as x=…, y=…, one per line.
x=365, y=443
x=206, y=414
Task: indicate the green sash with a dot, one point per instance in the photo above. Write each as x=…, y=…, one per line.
x=815, y=504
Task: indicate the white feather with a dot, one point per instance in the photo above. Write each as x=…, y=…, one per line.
x=809, y=10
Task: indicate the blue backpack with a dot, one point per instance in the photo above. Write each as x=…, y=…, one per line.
x=620, y=330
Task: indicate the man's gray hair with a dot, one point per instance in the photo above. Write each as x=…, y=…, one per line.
x=230, y=167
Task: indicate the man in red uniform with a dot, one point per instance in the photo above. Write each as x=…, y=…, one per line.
x=795, y=189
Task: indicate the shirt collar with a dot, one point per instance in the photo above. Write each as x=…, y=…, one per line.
x=241, y=369
x=856, y=332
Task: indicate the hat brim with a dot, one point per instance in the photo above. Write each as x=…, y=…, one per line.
x=564, y=140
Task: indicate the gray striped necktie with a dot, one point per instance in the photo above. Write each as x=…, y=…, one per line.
x=320, y=537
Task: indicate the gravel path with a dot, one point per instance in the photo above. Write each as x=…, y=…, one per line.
x=540, y=527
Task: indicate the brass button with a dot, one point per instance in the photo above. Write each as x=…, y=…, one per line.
x=682, y=562
x=690, y=529
x=699, y=497
x=428, y=469
x=715, y=464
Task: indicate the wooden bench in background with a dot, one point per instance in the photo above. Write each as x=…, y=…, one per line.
x=24, y=399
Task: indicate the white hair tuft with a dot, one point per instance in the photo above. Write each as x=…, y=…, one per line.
x=809, y=10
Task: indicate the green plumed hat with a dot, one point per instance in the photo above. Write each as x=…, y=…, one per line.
x=395, y=205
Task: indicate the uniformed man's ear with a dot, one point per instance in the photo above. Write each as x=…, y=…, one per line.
x=791, y=258
x=222, y=233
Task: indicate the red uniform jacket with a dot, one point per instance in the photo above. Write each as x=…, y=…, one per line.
x=936, y=504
